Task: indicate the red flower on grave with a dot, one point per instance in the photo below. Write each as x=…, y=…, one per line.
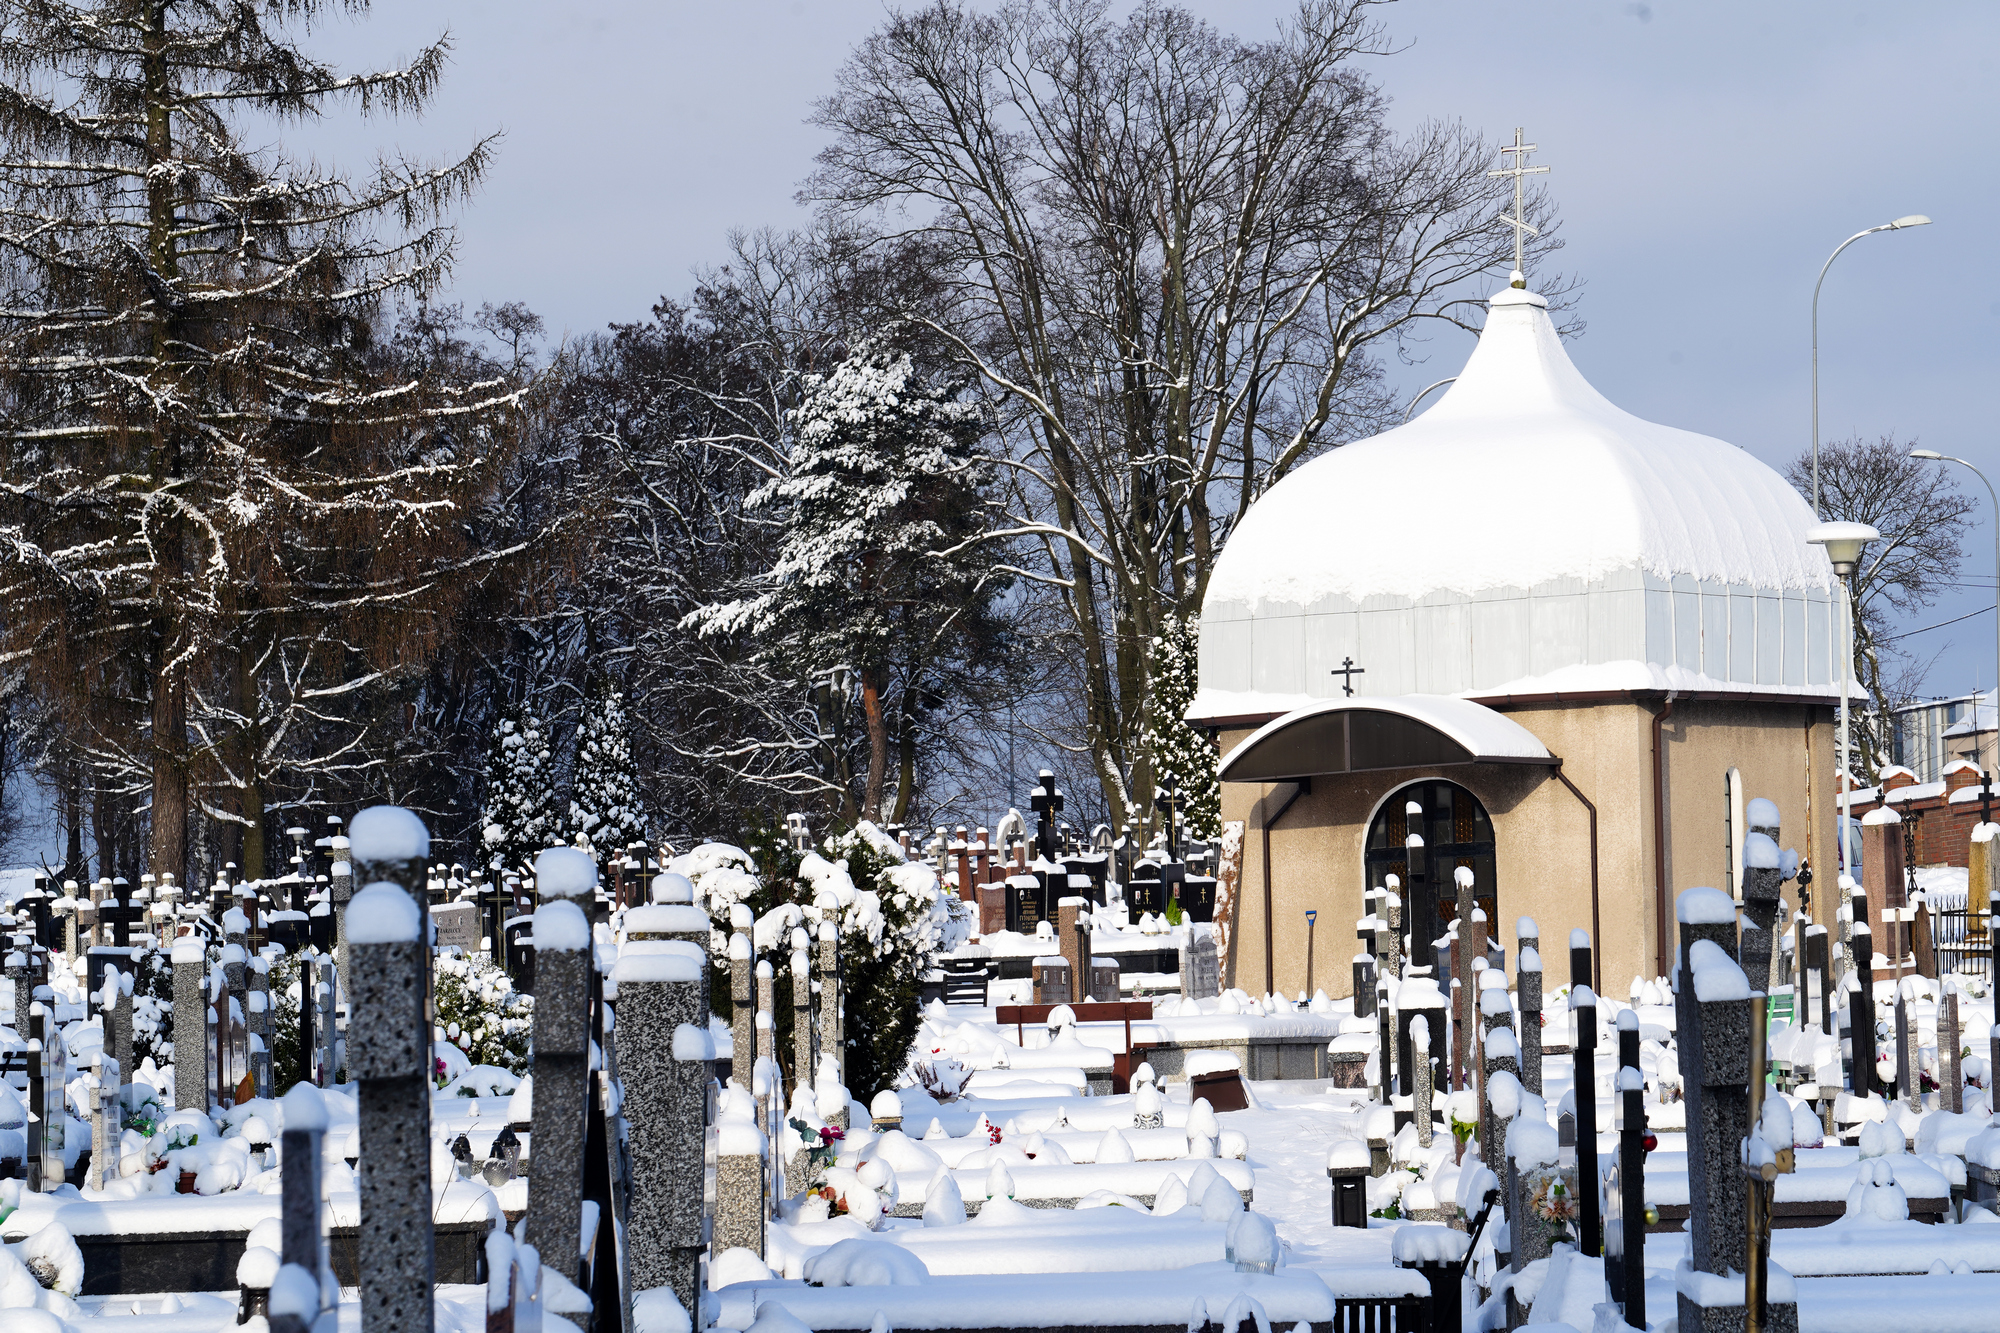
x=831, y=1134
x=993, y=1133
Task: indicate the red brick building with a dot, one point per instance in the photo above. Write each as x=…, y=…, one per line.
x=1938, y=817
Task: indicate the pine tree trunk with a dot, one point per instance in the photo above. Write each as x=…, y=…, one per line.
x=878, y=746
x=906, y=768
x=170, y=785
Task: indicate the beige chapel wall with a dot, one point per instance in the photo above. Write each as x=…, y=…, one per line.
x=1542, y=845
x=1776, y=749
x=1542, y=850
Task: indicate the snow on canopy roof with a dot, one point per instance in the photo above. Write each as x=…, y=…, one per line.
x=1483, y=736
x=1522, y=473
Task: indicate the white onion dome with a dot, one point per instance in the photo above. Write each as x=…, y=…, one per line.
x=1524, y=536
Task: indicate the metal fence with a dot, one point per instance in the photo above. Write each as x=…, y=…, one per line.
x=1962, y=942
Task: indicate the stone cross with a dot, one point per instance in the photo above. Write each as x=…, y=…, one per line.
x=1528, y=985
x=831, y=1047
x=1863, y=998
x=1715, y=1071
x=190, y=959
x=389, y=1056
x=666, y=1058
x=1763, y=884
x=340, y=888
x=299, y=1153
x=325, y=1031
x=567, y=880
x=742, y=1005
x=1047, y=802
x=1590, y=1223
x=262, y=1024
x=1951, y=1081
x=1420, y=1093
x=1625, y=1238
x=802, y=1025
x=106, y=1128
x=1909, y=1058
x=1814, y=982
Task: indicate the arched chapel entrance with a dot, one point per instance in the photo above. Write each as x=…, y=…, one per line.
x=1456, y=832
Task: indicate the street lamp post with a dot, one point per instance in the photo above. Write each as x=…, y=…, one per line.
x=1934, y=456
x=1843, y=543
x=1913, y=220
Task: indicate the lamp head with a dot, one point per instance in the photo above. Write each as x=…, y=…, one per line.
x=1912, y=220
x=1843, y=543
x=1931, y=454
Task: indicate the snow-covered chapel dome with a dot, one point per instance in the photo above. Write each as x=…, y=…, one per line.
x=1522, y=537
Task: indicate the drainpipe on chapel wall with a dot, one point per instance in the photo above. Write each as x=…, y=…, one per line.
x=1596, y=922
x=1660, y=839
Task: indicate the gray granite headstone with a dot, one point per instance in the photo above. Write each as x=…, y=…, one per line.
x=1528, y=981
x=1951, y=1080
x=831, y=1047
x=667, y=1058
x=389, y=1056
x=191, y=1045
x=457, y=926
x=742, y=1010
x=561, y=1066
x=802, y=1024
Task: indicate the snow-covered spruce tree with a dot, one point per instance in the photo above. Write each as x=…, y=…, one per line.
x=604, y=809
x=877, y=577
x=1170, y=744
x=522, y=815
x=208, y=462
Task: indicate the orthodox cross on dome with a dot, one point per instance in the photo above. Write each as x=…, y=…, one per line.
x=1347, y=671
x=1518, y=221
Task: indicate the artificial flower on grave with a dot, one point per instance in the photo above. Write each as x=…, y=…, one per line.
x=821, y=1145
x=1551, y=1199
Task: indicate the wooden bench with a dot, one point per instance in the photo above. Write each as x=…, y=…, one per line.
x=1089, y=1011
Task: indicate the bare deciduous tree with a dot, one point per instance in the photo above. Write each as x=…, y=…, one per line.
x=1923, y=517
x=1174, y=258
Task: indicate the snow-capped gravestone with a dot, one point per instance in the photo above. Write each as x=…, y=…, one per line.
x=1201, y=971
x=666, y=1058
x=457, y=926
x=831, y=1047
x=190, y=961
x=567, y=879
x=389, y=1056
x=1951, y=1079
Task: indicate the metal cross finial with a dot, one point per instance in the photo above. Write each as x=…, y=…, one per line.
x=1347, y=671
x=1518, y=220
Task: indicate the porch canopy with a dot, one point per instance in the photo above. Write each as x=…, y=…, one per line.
x=1358, y=735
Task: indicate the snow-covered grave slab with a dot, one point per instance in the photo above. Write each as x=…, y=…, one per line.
x=187, y=1242
x=1815, y=1193
x=1170, y=1302
x=1105, y=1239
x=1067, y=1186
x=1933, y=1303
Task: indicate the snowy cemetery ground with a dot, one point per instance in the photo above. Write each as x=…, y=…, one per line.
x=1428, y=1173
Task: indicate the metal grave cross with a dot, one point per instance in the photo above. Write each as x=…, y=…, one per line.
x=1520, y=169
x=1047, y=802
x=1347, y=671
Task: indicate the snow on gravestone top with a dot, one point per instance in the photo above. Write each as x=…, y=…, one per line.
x=1530, y=960
x=643, y=968
x=1462, y=875
x=1760, y=853
x=1581, y=997
x=1716, y=975
x=388, y=833
x=294, y=1291
x=1525, y=928
x=1883, y=816
x=190, y=949
x=1532, y=1143
x=1428, y=1242
x=1761, y=813
x=303, y=1108
x=1704, y=907
x=565, y=872
x=1348, y=1155
x=1579, y=939
x=662, y=918
x=560, y=927
x=382, y=913
x=670, y=887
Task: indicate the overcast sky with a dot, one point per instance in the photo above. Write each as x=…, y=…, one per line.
x=1707, y=158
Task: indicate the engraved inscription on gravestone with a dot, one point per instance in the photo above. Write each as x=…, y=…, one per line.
x=457, y=926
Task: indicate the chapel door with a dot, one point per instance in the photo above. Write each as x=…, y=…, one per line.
x=1456, y=832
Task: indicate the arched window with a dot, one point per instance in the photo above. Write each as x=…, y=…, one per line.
x=1456, y=832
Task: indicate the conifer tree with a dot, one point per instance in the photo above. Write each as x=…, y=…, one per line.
x=877, y=581
x=1169, y=743
x=219, y=487
x=604, y=809
x=522, y=815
